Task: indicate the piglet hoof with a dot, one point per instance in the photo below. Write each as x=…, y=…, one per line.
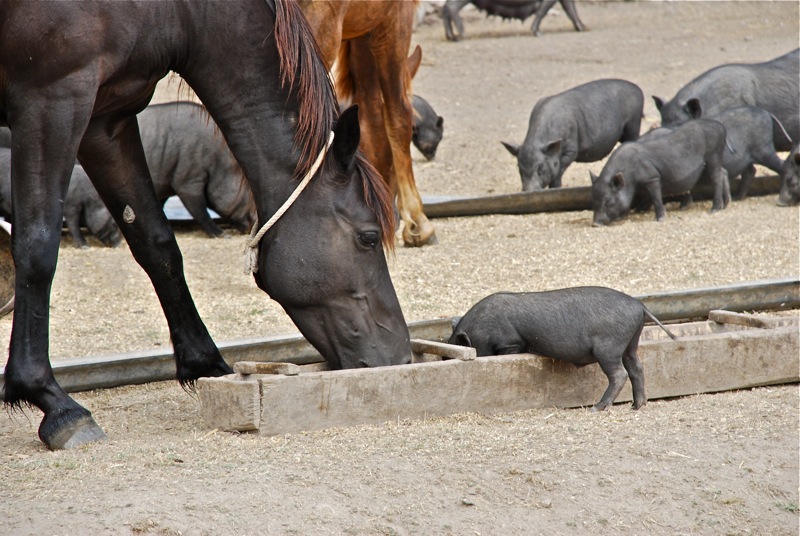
x=69, y=429
x=598, y=409
x=638, y=405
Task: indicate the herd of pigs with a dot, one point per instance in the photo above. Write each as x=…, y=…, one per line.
x=717, y=127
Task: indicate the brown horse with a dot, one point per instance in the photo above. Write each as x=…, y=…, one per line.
x=74, y=75
x=369, y=42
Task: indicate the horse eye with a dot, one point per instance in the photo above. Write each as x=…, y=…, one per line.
x=369, y=239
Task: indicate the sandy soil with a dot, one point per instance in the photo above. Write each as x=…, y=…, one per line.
x=712, y=464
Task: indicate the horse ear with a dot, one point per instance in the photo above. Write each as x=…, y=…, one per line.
x=693, y=108
x=347, y=136
x=414, y=61
x=659, y=102
x=513, y=149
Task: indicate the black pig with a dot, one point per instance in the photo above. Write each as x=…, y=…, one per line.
x=427, y=127
x=507, y=9
x=790, y=179
x=580, y=325
x=82, y=205
x=581, y=124
x=188, y=158
x=749, y=141
x=773, y=86
x=667, y=164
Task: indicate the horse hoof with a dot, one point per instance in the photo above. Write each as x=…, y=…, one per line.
x=70, y=429
x=424, y=234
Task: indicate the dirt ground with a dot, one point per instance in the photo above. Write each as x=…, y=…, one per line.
x=707, y=464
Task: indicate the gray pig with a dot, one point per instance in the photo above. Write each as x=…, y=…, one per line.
x=188, y=158
x=580, y=325
x=582, y=124
x=81, y=206
x=427, y=127
x=773, y=85
x=668, y=164
x=790, y=179
x=507, y=9
x=749, y=141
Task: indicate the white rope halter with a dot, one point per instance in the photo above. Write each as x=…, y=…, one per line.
x=251, y=244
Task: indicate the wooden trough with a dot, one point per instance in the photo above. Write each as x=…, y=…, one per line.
x=729, y=351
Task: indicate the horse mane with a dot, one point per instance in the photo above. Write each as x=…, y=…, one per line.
x=379, y=199
x=303, y=70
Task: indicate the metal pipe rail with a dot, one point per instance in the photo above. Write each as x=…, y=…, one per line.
x=97, y=372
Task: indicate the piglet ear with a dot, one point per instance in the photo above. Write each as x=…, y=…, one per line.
x=796, y=158
x=618, y=181
x=553, y=148
x=513, y=149
x=347, y=136
x=461, y=339
x=593, y=177
x=439, y=121
x=659, y=102
x=693, y=108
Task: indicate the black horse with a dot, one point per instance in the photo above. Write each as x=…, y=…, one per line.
x=73, y=76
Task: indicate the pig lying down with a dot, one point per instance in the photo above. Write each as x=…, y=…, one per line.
x=580, y=325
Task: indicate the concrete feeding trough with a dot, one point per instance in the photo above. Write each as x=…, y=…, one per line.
x=729, y=351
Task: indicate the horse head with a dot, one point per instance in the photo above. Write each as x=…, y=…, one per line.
x=324, y=260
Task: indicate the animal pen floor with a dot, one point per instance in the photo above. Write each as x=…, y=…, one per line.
x=710, y=464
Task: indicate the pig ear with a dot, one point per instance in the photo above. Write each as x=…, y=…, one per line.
x=513, y=149
x=347, y=136
x=454, y=322
x=593, y=177
x=659, y=102
x=439, y=121
x=796, y=158
x=553, y=148
x=618, y=181
x=693, y=108
x=462, y=339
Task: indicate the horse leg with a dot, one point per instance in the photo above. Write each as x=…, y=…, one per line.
x=395, y=86
x=130, y=197
x=46, y=139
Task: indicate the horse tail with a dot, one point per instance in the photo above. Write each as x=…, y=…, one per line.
x=303, y=70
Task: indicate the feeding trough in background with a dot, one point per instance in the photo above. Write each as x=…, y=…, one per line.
x=7, y=271
x=729, y=351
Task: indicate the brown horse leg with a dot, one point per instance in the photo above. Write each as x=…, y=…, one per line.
x=46, y=137
x=395, y=85
x=118, y=170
